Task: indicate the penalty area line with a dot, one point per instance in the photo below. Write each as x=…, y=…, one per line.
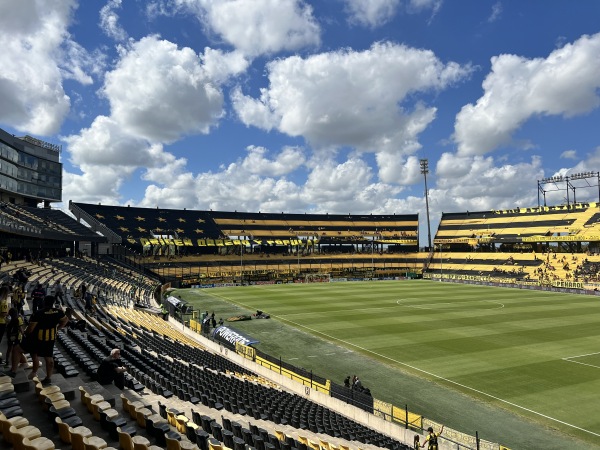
x=445, y=379
x=583, y=364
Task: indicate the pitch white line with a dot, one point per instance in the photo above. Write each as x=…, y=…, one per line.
x=447, y=380
x=583, y=364
x=436, y=305
x=430, y=373
x=581, y=356
x=336, y=311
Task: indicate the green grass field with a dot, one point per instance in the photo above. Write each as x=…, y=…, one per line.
x=520, y=367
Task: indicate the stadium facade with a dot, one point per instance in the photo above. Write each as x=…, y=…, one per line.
x=31, y=175
x=30, y=171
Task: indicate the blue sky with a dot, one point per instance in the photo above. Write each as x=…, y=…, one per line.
x=307, y=106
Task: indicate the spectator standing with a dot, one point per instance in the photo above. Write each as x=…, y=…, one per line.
x=89, y=304
x=37, y=298
x=432, y=439
x=4, y=307
x=14, y=334
x=58, y=293
x=41, y=335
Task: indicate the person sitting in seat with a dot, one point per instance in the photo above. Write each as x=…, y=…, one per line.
x=73, y=323
x=111, y=370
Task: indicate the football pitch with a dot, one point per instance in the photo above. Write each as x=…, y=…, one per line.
x=521, y=367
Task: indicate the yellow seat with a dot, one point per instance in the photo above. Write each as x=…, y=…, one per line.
x=82, y=393
x=38, y=385
x=111, y=413
x=99, y=406
x=303, y=440
x=280, y=435
x=16, y=422
x=171, y=418
x=47, y=391
x=125, y=441
x=172, y=444
x=140, y=443
x=312, y=444
x=133, y=406
x=54, y=398
x=141, y=414
x=89, y=399
x=324, y=444
x=18, y=434
x=181, y=423
x=94, y=443
x=6, y=387
x=61, y=404
x=63, y=430
x=124, y=403
x=78, y=434
x=41, y=443
x=183, y=444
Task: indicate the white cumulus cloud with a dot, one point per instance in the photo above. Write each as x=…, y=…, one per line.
x=566, y=83
x=160, y=92
x=109, y=21
x=35, y=57
x=350, y=98
x=254, y=27
x=479, y=183
x=371, y=13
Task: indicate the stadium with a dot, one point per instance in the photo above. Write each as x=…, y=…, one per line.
x=491, y=332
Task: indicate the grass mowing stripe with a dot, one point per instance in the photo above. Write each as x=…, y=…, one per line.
x=433, y=375
x=496, y=352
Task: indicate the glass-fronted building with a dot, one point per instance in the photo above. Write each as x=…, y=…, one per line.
x=30, y=171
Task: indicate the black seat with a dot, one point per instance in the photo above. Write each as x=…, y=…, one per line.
x=206, y=420
x=238, y=444
x=202, y=439
x=247, y=436
x=226, y=424
x=216, y=431
x=227, y=438
x=237, y=430
x=259, y=443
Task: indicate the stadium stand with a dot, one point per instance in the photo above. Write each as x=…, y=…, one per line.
x=168, y=373
x=207, y=246
x=140, y=416
x=114, y=264
x=543, y=245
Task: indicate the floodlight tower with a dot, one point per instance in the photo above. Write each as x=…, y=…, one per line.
x=424, y=163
